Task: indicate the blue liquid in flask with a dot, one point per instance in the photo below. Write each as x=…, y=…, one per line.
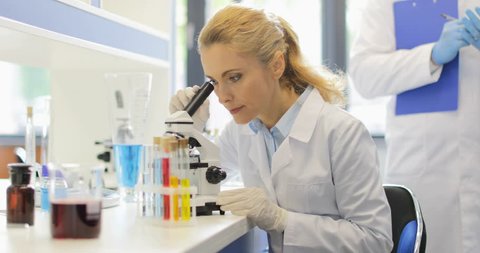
x=127, y=163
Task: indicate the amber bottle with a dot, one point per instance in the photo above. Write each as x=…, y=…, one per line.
x=20, y=195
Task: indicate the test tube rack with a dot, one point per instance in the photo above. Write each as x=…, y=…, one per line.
x=176, y=206
x=165, y=195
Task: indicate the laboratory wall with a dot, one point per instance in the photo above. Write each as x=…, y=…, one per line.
x=80, y=96
x=81, y=113
x=55, y=36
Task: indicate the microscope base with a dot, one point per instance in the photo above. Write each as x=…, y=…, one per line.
x=205, y=205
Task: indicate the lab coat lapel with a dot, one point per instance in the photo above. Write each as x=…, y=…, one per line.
x=258, y=158
x=306, y=121
x=300, y=134
x=282, y=157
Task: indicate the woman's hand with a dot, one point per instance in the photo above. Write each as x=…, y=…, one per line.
x=255, y=204
x=180, y=100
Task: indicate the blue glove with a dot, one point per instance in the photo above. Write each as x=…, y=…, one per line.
x=472, y=26
x=450, y=42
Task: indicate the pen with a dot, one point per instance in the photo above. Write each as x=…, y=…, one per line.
x=447, y=17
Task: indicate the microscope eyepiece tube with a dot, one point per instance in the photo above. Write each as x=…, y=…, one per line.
x=200, y=97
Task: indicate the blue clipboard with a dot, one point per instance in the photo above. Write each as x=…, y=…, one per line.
x=418, y=22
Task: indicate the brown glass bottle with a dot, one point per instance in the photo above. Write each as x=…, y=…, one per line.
x=20, y=195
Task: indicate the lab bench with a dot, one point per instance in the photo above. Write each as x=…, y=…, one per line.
x=122, y=231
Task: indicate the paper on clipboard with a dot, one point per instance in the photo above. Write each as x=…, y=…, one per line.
x=419, y=22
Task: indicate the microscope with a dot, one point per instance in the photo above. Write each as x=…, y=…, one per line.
x=204, y=154
x=109, y=176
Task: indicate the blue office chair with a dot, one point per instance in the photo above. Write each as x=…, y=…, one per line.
x=408, y=228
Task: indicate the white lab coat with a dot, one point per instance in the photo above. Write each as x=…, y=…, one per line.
x=437, y=154
x=324, y=174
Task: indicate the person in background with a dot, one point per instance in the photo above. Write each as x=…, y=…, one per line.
x=309, y=168
x=435, y=154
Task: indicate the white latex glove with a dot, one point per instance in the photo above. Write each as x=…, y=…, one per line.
x=254, y=203
x=180, y=100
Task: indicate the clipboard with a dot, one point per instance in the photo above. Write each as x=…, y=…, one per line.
x=418, y=22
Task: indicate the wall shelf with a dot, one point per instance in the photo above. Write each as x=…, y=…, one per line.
x=52, y=34
x=77, y=43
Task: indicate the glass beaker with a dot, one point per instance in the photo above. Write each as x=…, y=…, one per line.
x=75, y=201
x=130, y=95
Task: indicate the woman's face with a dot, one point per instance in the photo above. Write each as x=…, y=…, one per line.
x=244, y=85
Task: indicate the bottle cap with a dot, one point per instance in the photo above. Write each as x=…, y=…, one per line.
x=20, y=167
x=165, y=143
x=157, y=140
x=183, y=143
x=20, y=173
x=173, y=145
x=44, y=170
x=29, y=111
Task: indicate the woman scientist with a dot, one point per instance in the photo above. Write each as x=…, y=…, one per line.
x=309, y=168
x=436, y=154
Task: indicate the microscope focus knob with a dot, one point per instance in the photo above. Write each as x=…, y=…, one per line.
x=105, y=156
x=215, y=175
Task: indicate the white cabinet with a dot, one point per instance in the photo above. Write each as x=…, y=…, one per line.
x=77, y=43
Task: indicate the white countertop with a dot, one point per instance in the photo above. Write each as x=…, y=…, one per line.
x=122, y=231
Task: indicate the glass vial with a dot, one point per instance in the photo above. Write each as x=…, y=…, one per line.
x=44, y=185
x=30, y=142
x=20, y=195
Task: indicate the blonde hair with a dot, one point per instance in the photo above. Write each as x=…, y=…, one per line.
x=262, y=34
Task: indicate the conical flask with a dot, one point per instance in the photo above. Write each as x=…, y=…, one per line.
x=129, y=100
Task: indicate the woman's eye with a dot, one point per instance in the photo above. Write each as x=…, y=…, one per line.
x=234, y=78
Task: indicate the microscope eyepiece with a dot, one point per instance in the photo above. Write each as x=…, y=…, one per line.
x=200, y=97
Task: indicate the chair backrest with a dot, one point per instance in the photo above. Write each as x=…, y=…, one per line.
x=408, y=227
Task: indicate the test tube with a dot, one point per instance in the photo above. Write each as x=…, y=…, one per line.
x=174, y=157
x=173, y=147
x=184, y=166
x=185, y=199
x=183, y=157
x=147, y=180
x=166, y=176
x=174, y=184
x=143, y=177
x=157, y=175
x=45, y=132
x=30, y=143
